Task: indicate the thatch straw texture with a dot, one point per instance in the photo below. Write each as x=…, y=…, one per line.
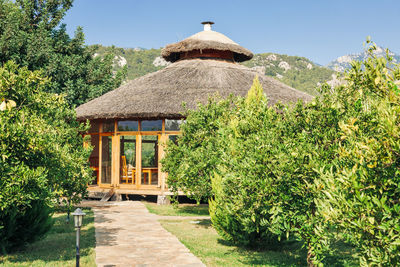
x=160, y=94
x=206, y=40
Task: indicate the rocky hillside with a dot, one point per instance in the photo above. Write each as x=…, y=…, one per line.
x=137, y=61
x=298, y=72
x=342, y=63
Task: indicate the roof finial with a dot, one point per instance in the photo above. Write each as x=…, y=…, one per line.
x=207, y=25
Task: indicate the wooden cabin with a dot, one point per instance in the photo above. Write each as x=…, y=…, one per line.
x=131, y=124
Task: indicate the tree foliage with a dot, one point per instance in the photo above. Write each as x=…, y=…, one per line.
x=309, y=171
x=191, y=162
x=42, y=157
x=362, y=189
x=269, y=182
x=31, y=35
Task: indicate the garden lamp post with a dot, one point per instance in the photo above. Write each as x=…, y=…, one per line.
x=78, y=218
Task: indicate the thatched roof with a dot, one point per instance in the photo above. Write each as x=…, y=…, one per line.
x=160, y=94
x=206, y=39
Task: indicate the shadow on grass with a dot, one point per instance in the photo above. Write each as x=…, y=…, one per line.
x=59, y=243
x=345, y=255
x=285, y=253
x=204, y=223
x=200, y=210
x=292, y=253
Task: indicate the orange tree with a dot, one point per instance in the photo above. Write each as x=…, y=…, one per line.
x=362, y=189
x=266, y=186
x=42, y=157
x=192, y=160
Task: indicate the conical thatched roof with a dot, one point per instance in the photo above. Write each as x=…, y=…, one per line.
x=203, y=40
x=160, y=94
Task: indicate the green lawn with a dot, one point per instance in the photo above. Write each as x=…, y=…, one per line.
x=58, y=247
x=204, y=242
x=181, y=210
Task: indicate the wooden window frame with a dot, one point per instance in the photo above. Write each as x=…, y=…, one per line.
x=162, y=138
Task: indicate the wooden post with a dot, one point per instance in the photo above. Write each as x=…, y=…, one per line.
x=138, y=160
x=115, y=161
x=100, y=159
x=161, y=153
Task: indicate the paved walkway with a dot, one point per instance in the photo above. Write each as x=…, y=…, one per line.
x=128, y=235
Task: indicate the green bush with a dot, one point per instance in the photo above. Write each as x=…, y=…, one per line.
x=24, y=224
x=238, y=218
x=239, y=208
x=191, y=162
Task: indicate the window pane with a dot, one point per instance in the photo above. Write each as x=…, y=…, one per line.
x=173, y=125
x=151, y=125
x=94, y=127
x=149, y=151
x=108, y=127
x=128, y=126
x=127, y=159
x=106, y=149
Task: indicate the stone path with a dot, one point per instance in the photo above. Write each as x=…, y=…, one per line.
x=128, y=235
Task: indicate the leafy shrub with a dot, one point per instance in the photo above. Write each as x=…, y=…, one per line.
x=238, y=218
x=192, y=161
x=22, y=225
x=239, y=208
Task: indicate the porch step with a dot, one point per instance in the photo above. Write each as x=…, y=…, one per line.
x=108, y=195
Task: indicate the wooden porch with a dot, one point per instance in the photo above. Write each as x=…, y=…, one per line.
x=95, y=189
x=126, y=156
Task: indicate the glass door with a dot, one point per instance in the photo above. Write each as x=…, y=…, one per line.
x=149, y=156
x=106, y=159
x=127, y=159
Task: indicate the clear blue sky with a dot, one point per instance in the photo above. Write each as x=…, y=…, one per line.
x=320, y=30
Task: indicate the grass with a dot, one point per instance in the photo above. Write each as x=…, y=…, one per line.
x=58, y=247
x=181, y=210
x=203, y=241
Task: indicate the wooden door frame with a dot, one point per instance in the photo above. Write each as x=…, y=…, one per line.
x=139, y=160
x=162, y=137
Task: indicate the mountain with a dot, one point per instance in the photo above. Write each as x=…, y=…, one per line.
x=297, y=72
x=137, y=61
x=342, y=63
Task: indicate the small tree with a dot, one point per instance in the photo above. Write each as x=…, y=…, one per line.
x=267, y=172
x=239, y=207
x=192, y=161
